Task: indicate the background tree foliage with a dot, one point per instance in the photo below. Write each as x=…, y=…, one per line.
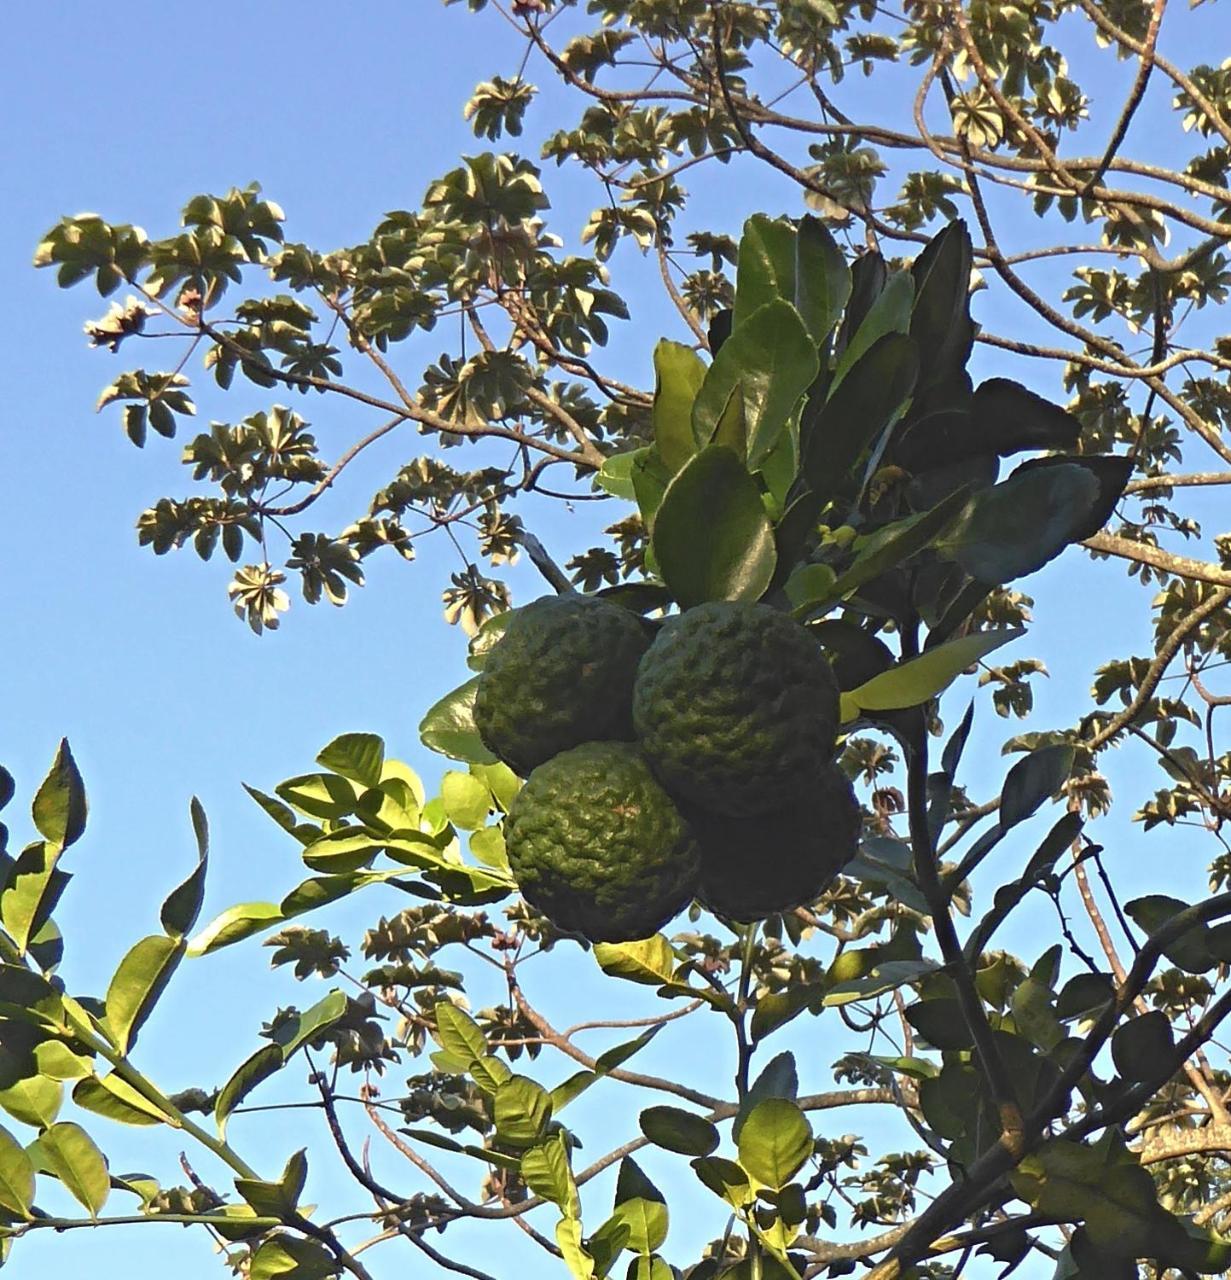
x=1071, y=1104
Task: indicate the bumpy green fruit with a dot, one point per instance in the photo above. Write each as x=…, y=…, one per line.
x=561, y=674
x=736, y=707
x=598, y=846
x=754, y=867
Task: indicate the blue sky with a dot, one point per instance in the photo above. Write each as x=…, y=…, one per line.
x=342, y=114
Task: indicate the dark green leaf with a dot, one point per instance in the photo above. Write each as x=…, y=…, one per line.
x=183, y=905
x=822, y=278
x=1143, y=1047
x=712, y=537
x=1032, y=780
x=60, y=805
x=677, y=1130
x=772, y=358
x=857, y=413
x=941, y=1023
x=250, y=1073
x=1191, y=950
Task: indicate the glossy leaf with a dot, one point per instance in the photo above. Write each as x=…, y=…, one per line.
x=712, y=537
x=545, y=1170
x=916, y=681
x=29, y=896
x=458, y=1032
x=521, y=1109
x=67, y=1151
x=16, y=1176
x=237, y=922
x=59, y=807
x=277, y=1199
x=1033, y=779
x=777, y=1079
x=357, y=756
x=308, y=1025
x=650, y=961
x=774, y=1142
x=822, y=278
x=772, y=358
x=449, y=727
x=250, y=1073
x=615, y=476
x=855, y=416
x=682, y=1131
x=116, y=1099
x=141, y=978
x=890, y=313
x=724, y=1178
x=35, y=1101
x=285, y=1257
x=679, y=373
x=1014, y=528
x=766, y=265
x=320, y=795
x=182, y=905
x=467, y=801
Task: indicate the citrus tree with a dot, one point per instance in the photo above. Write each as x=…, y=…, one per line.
x=819, y=515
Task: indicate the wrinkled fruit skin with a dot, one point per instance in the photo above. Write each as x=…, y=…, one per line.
x=736, y=707
x=599, y=847
x=755, y=867
x=561, y=674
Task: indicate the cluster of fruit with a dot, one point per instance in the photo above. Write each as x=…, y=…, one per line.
x=697, y=762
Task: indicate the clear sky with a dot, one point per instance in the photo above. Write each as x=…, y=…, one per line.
x=342, y=113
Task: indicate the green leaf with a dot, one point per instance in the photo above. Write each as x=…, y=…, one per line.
x=732, y=429
x=250, y=1073
x=888, y=975
x=309, y=1024
x=1191, y=950
x=521, y=1109
x=1032, y=780
x=679, y=373
x=237, y=922
x=183, y=905
x=646, y=1220
x=765, y=269
x=571, y=1089
x=650, y=479
x=772, y=358
x=277, y=1199
x=774, y=1142
x=357, y=756
x=545, y=1170
x=890, y=313
x=778, y=1079
x=33, y=888
x=887, y=548
x=141, y=978
x=16, y=1176
x=650, y=961
x=68, y=1152
x=467, y=801
x=941, y=1023
x=116, y=1099
x=940, y=319
x=449, y=727
x=712, y=537
x=459, y=1033
x=320, y=795
x=822, y=278
x=856, y=415
x=1014, y=528
x=59, y=807
x=615, y=476
x=1144, y=1046
x=286, y=1257
x=568, y=1238
x=678, y=1130
x=1085, y=994
x=916, y=681
x=35, y=1101
x=724, y=1178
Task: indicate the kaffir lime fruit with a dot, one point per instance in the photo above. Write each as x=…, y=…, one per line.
x=754, y=867
x=561, y=674
x=736, y=707
x=598, y=846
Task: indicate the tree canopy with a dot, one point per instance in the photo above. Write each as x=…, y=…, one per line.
x=833, y=428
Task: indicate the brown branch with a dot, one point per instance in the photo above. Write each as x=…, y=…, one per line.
x=1182, y=566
